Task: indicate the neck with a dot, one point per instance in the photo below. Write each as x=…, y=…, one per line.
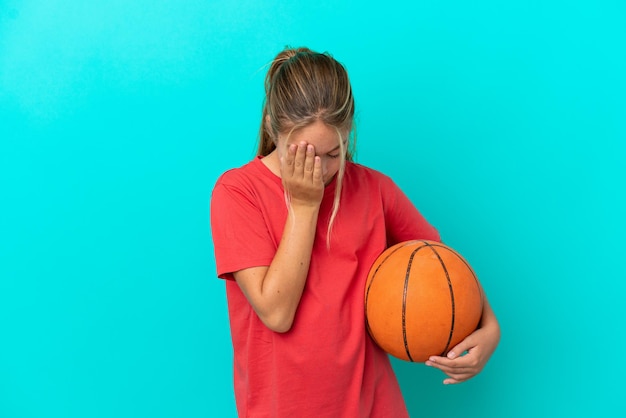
x=271, y=162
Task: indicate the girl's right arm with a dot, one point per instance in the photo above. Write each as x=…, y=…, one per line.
x=275, y=291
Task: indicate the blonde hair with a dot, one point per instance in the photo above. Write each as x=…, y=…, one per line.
x=302, y=87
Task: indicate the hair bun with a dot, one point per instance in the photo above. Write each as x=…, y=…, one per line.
x=282, y=57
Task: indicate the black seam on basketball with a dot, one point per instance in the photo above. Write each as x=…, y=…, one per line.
x=460, y=257
x=445, y=270
x=404, y=291
x=367, y=291
x=404, y=294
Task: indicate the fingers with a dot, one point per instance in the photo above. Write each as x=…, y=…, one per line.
x=301, y=172
x=458, y=370
x=299, y=160
x=309, y=160
x=479, y=347
x=288, y=163
x=302, y=163
x=317, y=170
x=313, y=166
x=461, y=347
x=460, y=365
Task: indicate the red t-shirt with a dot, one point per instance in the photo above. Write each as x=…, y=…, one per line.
x=326, y=365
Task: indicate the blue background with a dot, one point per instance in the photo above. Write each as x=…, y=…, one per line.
x=503, y=121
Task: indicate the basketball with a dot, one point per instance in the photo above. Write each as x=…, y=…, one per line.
x=421, y=299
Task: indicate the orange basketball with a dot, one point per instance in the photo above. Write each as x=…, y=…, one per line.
x=421, y=299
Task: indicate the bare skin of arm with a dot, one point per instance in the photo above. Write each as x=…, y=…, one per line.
x=479, y=345
x=274, y=291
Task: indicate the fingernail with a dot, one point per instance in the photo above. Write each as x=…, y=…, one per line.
x=451, y=355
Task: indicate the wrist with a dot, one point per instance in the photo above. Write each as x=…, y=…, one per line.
x=304, y=208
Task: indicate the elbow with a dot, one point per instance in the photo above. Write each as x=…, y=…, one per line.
x=278, y=323
x=280, y=328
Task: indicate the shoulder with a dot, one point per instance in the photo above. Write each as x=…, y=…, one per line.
x=237, y=176
x=235, y=185
x=366, y=175
x=251, y=178
x=252, y=182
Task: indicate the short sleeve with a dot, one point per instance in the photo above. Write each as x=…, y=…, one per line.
x=241, y=238
x=404, y=221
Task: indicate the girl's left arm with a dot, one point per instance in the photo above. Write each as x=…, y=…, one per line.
x=479, y=345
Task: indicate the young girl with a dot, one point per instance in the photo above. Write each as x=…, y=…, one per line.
x=295, y=232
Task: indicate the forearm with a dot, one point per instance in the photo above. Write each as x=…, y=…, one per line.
x=283, y=284
x=275, y=291
x=488, y=319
